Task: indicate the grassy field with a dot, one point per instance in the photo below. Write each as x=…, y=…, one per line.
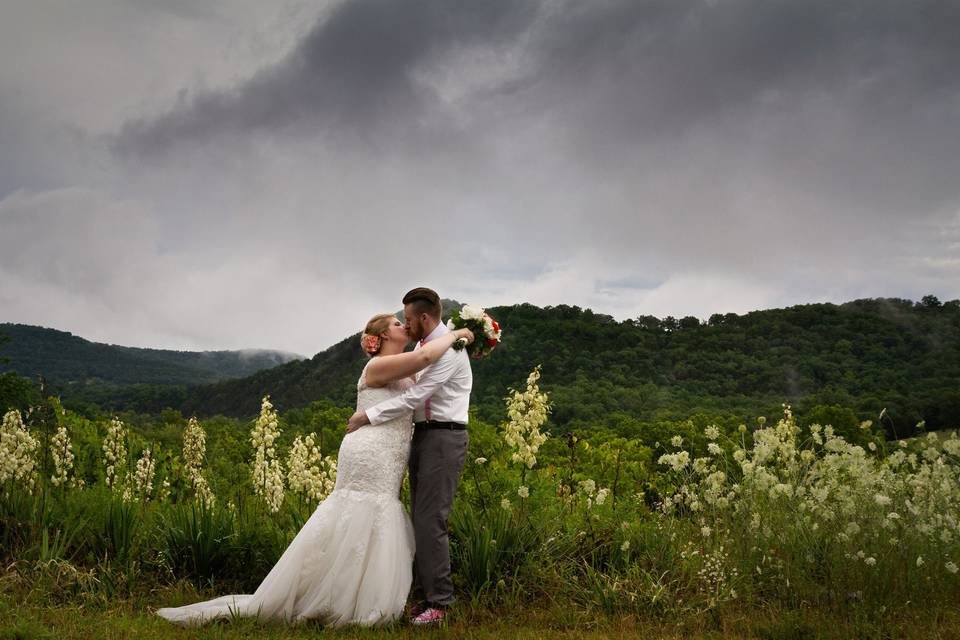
x=768, y=531
x=127, y=619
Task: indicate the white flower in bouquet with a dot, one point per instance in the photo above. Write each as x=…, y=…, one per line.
x=485, y=329
x=469, y=312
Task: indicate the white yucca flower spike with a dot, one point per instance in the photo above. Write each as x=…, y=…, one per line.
x=526, y=412
x=115, y=455
x=17, y=450
x=194, y=450
x=308, y=472
x=61, y=450
x=267, y=471
x=143, y=477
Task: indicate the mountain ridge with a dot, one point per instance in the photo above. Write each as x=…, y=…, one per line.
x=66, y=358
x=865, y=355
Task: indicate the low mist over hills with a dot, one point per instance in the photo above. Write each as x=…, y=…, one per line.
x=68, y=360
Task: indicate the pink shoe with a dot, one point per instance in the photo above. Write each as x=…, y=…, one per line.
x=430, y=616
x=416, y=609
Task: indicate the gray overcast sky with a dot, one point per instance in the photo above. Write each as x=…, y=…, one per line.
x=233, y=174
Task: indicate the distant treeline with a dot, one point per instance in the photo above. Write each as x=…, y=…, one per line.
x=865, y=356
x=66, y=359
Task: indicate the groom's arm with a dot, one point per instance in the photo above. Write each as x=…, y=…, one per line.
x=432, y=379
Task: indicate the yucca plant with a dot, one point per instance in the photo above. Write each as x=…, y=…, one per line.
x=119, y=529
x=195, y=541
x=489, y=548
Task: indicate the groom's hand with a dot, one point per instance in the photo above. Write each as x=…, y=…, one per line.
x=356, y=421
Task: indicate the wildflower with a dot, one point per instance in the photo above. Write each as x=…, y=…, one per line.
x=17, y=448
x=163, y=493
x=872, y=446
x=527, y=412
x=267, y=472
x=602, y=496
x=705, y=531
x=952, y=446
x=480, y=460
x=676, y=461
x=626, y=545
x=712, y=432
x=700, y=465
x=920, y=562
x=61, y=451
x=951, y=567
x=714, y=449
x=523, y=492
x=142, y=477
x=115, y=455
x=587, y=487
x=506, y=505
x=194, y=449
x=676, y=441
x=881, y=499
x=815, y=431
x=871, y=561
x=310, y=473
x=866, y=424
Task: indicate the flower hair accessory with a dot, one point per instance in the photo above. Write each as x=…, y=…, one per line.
x=370, y=343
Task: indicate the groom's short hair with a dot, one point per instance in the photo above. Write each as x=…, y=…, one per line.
x=424, y=301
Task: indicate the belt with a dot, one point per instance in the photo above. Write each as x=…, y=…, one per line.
x=439, y=424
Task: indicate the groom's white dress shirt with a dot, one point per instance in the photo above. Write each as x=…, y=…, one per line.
x=446, y=384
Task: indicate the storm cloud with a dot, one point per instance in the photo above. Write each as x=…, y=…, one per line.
x=643, y=157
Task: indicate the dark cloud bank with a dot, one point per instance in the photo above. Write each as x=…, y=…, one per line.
x=664, y=157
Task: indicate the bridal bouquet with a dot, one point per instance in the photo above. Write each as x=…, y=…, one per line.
x=485, y=329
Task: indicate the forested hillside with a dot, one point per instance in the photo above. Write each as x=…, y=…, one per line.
x=866, y=355
x=78, y=367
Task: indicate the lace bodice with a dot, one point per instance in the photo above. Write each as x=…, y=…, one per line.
x=374, y=458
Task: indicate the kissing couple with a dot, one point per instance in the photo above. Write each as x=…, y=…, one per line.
x=354, y=560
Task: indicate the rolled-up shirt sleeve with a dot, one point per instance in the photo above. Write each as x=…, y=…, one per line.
x=432, y=378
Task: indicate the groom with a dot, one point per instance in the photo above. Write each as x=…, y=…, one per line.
x=440, y=401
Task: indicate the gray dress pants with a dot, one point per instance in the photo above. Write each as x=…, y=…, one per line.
x=436, y=461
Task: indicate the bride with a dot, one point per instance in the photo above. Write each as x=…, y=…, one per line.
x=351, y=563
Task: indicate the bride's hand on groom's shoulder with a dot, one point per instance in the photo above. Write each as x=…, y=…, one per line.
x=356, y=421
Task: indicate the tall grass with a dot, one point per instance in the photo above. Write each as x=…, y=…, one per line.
x=768, y=516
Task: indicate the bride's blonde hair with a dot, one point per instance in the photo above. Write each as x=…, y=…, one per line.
x=370, y=340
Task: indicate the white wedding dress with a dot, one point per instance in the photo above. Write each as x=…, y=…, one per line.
x=351, y=563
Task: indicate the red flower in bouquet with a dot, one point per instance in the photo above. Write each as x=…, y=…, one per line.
x=485, y=329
